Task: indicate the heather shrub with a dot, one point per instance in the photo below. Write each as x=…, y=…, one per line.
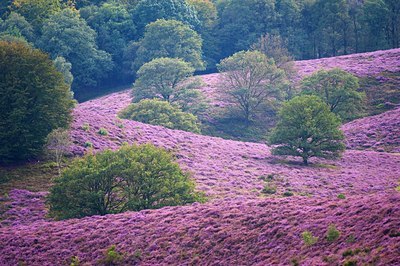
x=133, y=178
x=34, y=101
x=308, y=238
x=157, y=112
x=332, y=234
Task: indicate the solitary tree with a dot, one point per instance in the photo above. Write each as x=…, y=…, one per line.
x=251, y=81
x=338, y=89
x=132, y=178
x=34, y=100
x=170, y=79
x=57, y=146
x=307, y=128
x=170, y=38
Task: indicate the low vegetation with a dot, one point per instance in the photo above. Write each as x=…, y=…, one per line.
x=132, y=178
x=157, y=112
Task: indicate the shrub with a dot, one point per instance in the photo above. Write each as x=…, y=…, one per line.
x=103, y=132
x=132, y=178
x=86, y=127
x=307, y=128
x=308, y=238
x=341, y=196
x=57, y=145
x=288, y=193
x=34, y=101
x=88, y=144
x=74, y=261
x=332, y=234
x=112, y=257
x=157, y=112
x=268, y=189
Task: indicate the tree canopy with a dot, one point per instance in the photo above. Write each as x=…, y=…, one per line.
x=307, y=128
x=170, y=38
x=251, y=81
x=34, y=100
x=338, y=89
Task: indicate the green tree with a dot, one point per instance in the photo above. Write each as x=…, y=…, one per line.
x=36, y=11
x=66, y=34
x=148, y=11
x=338, y=89
x=64, y=67
x=251, y=81
x=115, y=28
x=156, y=112
x=241, y=23
x=172, y=80
x=306, y=128
x=16, y=25
x=130, y=179
x=34, y=100
x=170, y=38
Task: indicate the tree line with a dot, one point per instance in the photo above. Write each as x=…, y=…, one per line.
x=103, y=43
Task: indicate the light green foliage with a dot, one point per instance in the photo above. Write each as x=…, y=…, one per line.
x=307, y=128
x=171, y=79
x=252, y=82
x=156, y=112
x=34, y=100
x=102, y=131
x=64, y=67
x=36, y=11
x=170, y=38
x=66, y=34
x=332, y=234
x=308, y=238
x=57, y=146
x=269, y=189
x=132, y=178
x=85, y=127
x=147, y=11
x=75, y=261
x=112, y=257
x=338, y=89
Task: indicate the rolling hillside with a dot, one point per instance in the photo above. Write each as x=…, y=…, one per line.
x=239, y=225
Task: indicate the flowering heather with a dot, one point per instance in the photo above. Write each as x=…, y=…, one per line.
x=226, y=168
x=24, y=207
x=380, y=132
x=240, y=225
x=230, y=232
x=364, y=64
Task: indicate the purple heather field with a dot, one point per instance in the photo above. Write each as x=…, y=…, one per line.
x=239, y=225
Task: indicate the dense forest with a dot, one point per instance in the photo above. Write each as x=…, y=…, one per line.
x=98, y=43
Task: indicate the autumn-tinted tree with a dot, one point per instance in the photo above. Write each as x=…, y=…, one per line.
x=170, y=38
x=157, y=112
x=34, y=100
x=170, y=79
x=251, y=81
x=133, y=178
x=338, y=89
x=307, y=128
x=66, y=34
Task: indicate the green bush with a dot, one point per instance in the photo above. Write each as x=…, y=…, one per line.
x=332, y=234
x=34, y=100
x=341, y=196
x=308, y=238
x=103, y=132
x=132, y=178
x=268, y=189
x=157, y=112
x=112, y=257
